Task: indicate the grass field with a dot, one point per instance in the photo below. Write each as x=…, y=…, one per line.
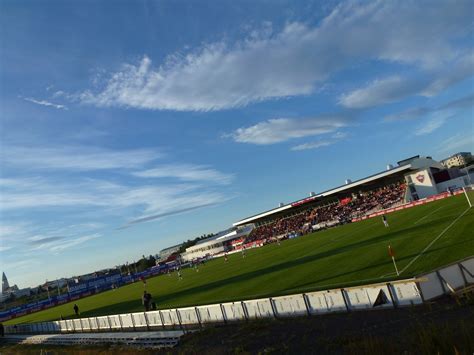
x=423, y=238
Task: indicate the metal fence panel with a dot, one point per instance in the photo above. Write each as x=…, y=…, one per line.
x=139, y=320
x=69, y=325
x=103, y=323
x=369, y=297
x=453, y=277
x=170, y=317
x=290, y=305
x=94, y=325
x=233, y=311
x=188, y=316
x=210, y=313
x=115, y=322
x=77, y=324
x=62, y=326
x=154, y=319
x=127, y=321
x=326, y=301
x=468, y=270
x=431, y=288
x=259, y=308
x=406, y=294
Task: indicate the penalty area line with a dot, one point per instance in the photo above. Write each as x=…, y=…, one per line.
x=433, y=241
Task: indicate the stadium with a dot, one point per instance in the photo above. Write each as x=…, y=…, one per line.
x=329, y=240
x=247, y=177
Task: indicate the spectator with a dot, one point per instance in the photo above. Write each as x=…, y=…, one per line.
x=146, y=298
x=76, y=309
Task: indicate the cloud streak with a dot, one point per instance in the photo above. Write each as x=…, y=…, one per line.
x=293, y=61
x=396, y=88
x=77, y=158
x=186, y=172
x=45, y=103
x=321, y=143
x=279, y=130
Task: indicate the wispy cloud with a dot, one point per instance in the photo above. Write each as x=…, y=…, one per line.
x=283, y=129
x=321, y=143
x=396, y=88
x=293, y=61
x=458, y=142
x=380, y=91
x=64, y=244
x=77, y=158
x=39, y=240
x=466, y=102
x=431, y=125
x=186, y=172
x=45, y=103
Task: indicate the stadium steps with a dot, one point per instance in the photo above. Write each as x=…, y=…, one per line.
x=154, y=339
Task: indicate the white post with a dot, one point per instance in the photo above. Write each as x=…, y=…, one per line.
x=467, y=197
x=395, y=264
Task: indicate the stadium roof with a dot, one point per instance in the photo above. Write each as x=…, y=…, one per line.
x=404, y=165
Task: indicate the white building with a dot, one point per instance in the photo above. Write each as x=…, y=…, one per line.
x=216, y=244
x=458, y=159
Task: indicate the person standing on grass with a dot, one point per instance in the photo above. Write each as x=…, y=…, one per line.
x=384, y=219
x=146, y=301
x=76, y=309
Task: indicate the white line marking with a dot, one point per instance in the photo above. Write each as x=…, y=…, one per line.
x=434, y=240
x=429, y=214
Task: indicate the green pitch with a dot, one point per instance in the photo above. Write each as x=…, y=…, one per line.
x=423, y=238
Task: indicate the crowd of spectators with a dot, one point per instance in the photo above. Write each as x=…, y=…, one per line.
x=339, y=212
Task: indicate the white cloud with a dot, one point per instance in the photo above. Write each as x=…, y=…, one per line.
x=396, y=88
x=45, y=103
x=380, y=91
x=293, y=61
x=77, y=158
x=186, y=172
x=336, y=137
x=431, y=125
x=283, y=129
x=62, y=244
x=312, y=145
x=458, y=142
x=466, y=102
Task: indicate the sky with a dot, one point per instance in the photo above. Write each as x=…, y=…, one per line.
x=130, y=126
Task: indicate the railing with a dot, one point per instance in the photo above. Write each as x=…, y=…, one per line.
x=375, y=296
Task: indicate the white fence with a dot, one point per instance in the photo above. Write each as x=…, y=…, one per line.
x=377, y=296
x=447, y=279
x=393, y=294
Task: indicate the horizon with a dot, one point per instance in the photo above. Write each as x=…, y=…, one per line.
x=130, y=128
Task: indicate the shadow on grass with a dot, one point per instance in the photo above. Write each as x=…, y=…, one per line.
x=164, y=300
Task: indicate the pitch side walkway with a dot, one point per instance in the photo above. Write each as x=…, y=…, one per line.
x=151, y=339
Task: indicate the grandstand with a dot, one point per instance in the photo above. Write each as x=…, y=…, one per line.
x=412, y=179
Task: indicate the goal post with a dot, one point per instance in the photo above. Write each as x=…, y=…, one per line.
x=467, y=189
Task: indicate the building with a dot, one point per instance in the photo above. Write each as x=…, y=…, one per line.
x=8, y=291
x=457, y=160
x=167, y=252
x=5, y=284
x=218, y=244
x=423, y=177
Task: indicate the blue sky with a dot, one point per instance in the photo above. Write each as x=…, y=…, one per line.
x=129, y=128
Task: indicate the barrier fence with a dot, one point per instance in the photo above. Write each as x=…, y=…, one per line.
x=385, y=295
x=394, y=294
